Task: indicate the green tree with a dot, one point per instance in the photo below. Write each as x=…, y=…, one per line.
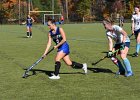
x=83, y=8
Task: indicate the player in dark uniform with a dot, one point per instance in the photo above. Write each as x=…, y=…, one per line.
x=59, y=37
x=29, y=22
x=121, y=21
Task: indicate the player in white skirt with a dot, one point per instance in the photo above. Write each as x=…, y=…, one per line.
x=136, y=28
x=122, y=43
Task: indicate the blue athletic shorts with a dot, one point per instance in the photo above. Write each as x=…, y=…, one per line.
x=29, y=26
x=65, y=48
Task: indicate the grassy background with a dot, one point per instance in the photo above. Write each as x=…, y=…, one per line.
x=87, y=44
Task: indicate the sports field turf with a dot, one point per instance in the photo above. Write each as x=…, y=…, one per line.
x=87, y=44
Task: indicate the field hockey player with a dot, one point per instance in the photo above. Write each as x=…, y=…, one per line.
x=122, y=42
x=59, y=37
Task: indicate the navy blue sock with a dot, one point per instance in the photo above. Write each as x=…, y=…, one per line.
x=57, y=67
x=30, y=33
x=76, y=65
x=118, y=63
x=27, y=33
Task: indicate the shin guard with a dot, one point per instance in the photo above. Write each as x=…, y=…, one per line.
x=118, y=63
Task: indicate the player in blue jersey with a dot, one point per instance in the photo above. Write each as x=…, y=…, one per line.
x=59, y=37
x=136, y=28
x=122, y=43
x=29, y=22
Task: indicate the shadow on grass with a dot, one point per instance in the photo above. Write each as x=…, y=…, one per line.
x=37, y=71
x=22, y=37
x=101, y=70
x=104, y=52
x=130, y=55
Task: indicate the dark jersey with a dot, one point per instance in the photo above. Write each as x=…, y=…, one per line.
x=29, y=21
x=56, y=36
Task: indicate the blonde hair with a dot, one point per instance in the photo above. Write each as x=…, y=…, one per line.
x=108, y=21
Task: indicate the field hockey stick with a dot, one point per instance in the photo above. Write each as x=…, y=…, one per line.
x=35, y=63
x=99, y=60
x=104, y=57
x=130, y=35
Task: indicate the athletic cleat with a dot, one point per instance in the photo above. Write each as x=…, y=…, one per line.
x=129, y=74
x=84, y=68
x=120, y=73
x=52, y=74
x=135, y=54
x=54, y=77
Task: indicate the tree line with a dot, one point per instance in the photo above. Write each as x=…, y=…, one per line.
x=72, y=10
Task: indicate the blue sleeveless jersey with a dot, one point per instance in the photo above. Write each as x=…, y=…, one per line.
x=29, y=21
x=57, y=38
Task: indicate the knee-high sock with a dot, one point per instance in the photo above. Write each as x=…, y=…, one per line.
x=127, y=65
x=57, y=67
x=118, y=63
x=76, y=65
x=28, y=34
x=137, y=47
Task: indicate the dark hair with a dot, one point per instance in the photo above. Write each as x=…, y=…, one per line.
x=52, y=21
x=137, y=6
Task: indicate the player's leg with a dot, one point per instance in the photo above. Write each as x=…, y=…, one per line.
x=74, y=64
x=138, y=43
x=58, y=57
x=126, y=61
x=118, y=63
x=28, y=31
x=121, y=24
x=137, y=36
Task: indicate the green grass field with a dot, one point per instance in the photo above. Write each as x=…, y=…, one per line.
x=87, y=44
